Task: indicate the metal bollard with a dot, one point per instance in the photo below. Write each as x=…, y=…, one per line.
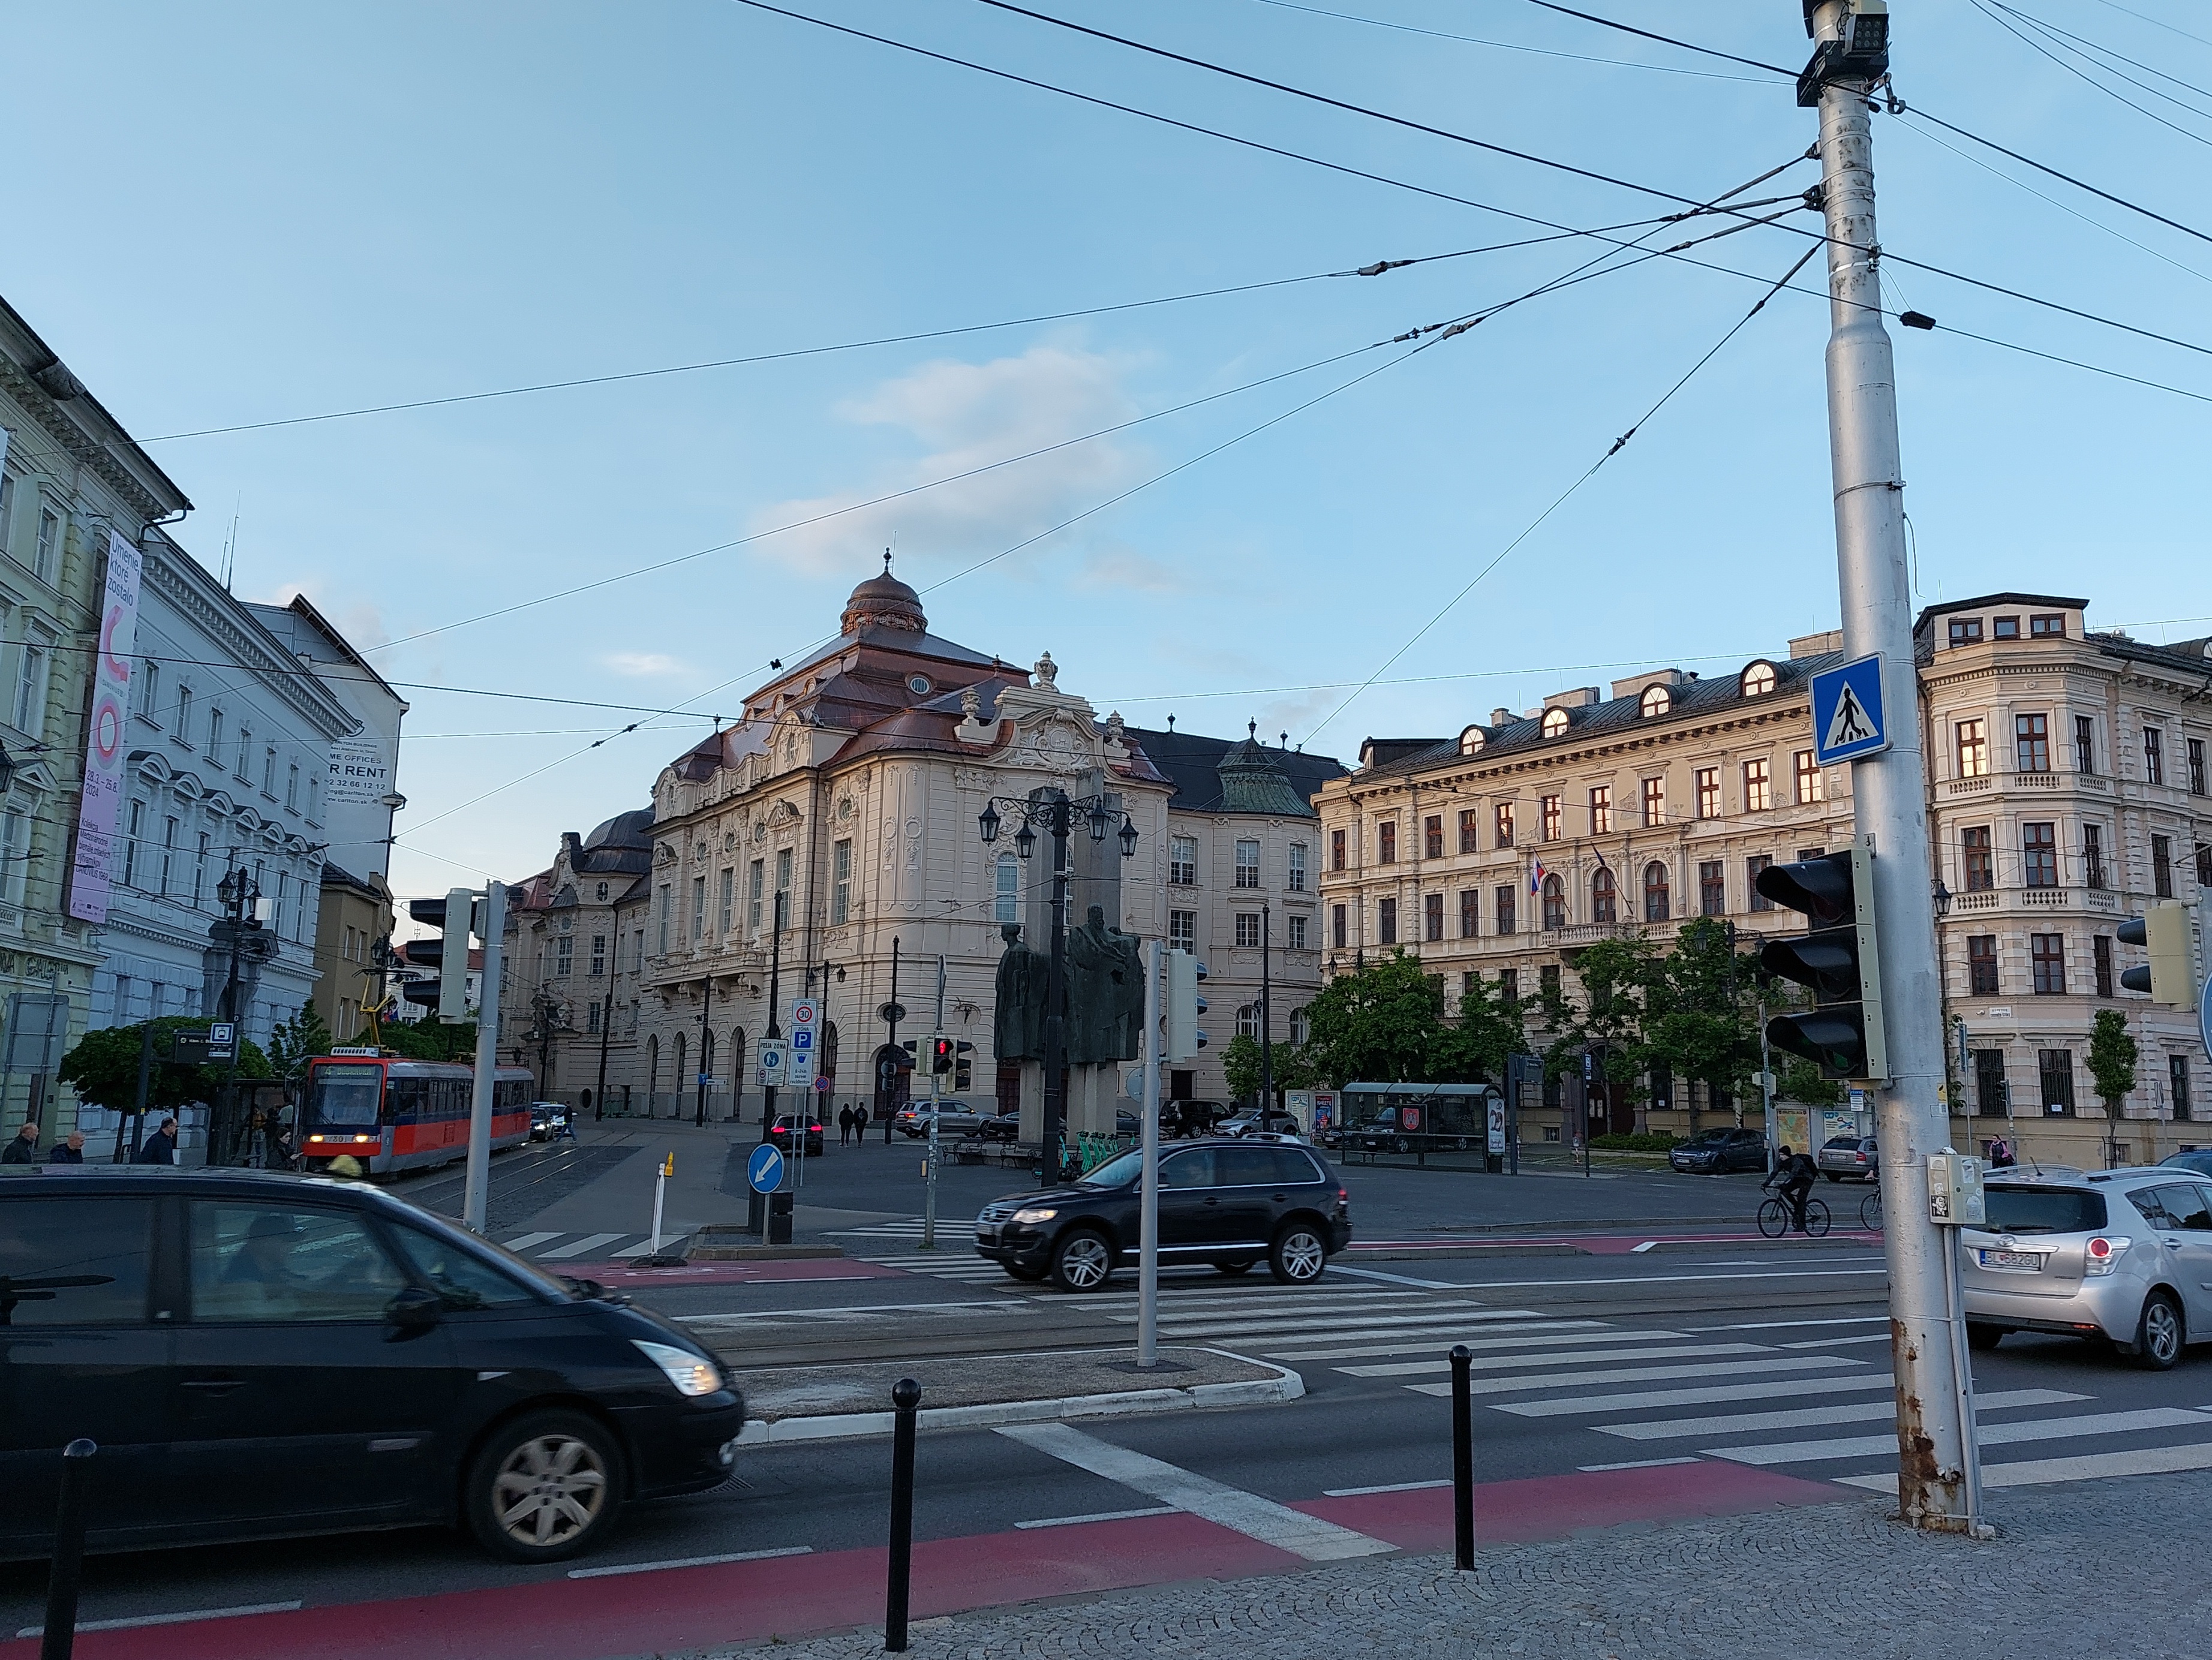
x=60, y=1634
x=1462, y=1458
x=906, y=1397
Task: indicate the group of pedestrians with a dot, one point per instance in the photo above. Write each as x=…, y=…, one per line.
x=158, y=1148
x=853, y=1127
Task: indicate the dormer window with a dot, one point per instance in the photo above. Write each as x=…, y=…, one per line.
x=1657, y=700
x=1472, y=741
x=2052, y=627
x=1556, y=722
x=1757, y=680
x=1966, y=631
x=2008, y=627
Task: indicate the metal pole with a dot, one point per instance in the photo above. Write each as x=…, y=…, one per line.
x=775, y=1026
x=607, y=1036
x=1889, y=802
x=1962, y=1367
x=59, y=1635
x=1462, y=1407
x=1052, y=1165
x=936, y=1105
x=1148, y=1201
x=477, y=1205
x=706, y=1038
x=906, y=1396
x=890, y=1042
x=145, y=1084
x=1267, y=1026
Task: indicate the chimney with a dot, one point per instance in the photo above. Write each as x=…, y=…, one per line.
x=1500, y=717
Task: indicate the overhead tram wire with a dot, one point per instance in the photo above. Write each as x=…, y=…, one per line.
x=1663, y=39
x=2146, y=17
x=2076, y=70
x=1512, y=45
x=2095, y=53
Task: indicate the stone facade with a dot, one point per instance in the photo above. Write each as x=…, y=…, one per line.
x=354, y=917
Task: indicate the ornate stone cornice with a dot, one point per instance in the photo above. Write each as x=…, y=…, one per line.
x=289, y=679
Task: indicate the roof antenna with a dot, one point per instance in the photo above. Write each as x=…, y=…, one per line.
x=230, y=546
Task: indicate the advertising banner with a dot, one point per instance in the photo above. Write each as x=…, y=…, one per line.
x=106, y=735
x=361, y=773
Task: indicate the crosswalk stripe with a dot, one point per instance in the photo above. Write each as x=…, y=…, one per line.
x=1649, y=1374
x=668, y=1242
x=1377, y=1324
x=527, y=1240
x=1563, y=1331
x=1572, y=1405
x=589, y=1242
x=1991, y=1435
x=1839, y=1411
x=2089, y=1467
x=1238, y=1294
x=1415, y=1368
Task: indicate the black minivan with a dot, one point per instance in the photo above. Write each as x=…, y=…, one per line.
x=1231, y=1203
x=262, y=1354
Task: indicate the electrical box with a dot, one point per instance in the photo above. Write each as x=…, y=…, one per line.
x=1954, y=1190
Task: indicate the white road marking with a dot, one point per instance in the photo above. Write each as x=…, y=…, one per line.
x=1781, y=1325
x=1414, y=1368
x=1353, y=1324
x=1670, y=1278
x=688, y=1562
x=836, y=1309
x=1647, y=1374
x=1839, y=1411
x=1397, y=1279
x=1243, y=1512
x=1832, y=1342
x=171, y=1618
x=525, y=1240
x=1100, y=1515
x=1393, y=1487
x=1638, y=1250
x=1636, y=1464
x=1991, y=1435
x=1567, y=1331
x=1630, y=1401
x=589, y=1242
x=2033, y=1472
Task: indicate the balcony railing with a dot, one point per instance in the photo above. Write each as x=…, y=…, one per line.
x=2044, y=898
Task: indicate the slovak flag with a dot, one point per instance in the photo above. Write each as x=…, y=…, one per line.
x=1535, y=874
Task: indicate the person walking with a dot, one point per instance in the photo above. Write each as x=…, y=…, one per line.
x=70, y=1151
x=844, y=1126
x=160, y=1147
x=24, y=1149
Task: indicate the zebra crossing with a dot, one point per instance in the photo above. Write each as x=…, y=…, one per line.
x=560, y=1248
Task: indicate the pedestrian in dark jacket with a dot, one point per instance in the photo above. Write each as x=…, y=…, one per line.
x=70, y=1151
x=160, y=1147
x=24, y=1149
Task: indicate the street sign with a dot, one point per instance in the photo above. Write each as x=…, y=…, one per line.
x=765, y=1168
x=821, y=1086
x=803, y=1038
x=775, y=1062
x=803, y=1013
x=706, y=1081
x=222, y=1041
x=1133, y=1085
x=1848, y=719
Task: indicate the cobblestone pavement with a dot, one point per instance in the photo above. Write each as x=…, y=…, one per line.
x=2092, y=1569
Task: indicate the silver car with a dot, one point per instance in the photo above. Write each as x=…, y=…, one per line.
x=2122, y=1256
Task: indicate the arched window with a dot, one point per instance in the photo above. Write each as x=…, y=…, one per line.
x=1555, y=903
x=1006, y=900
x=1603, y=895
x=1657, y=700
x=1655, y=906
x=678, y=1074
x=1758, y=679
x=737, y=1067
x=1472, y=741
x=652, y=1070
x=827, y=1064
x=1248, y=1021
x=1556, y=722
x=1301, y=1027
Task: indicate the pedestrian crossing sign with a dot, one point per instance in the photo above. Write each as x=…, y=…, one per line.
x=1848, y=722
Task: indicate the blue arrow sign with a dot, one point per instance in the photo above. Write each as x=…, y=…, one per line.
x=1848, y=721
x=764, y=1169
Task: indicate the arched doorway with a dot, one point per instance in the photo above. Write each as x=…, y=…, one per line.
x=678, y=1075
x=706, y=1067
x=737, y=1072
x=652, y=1070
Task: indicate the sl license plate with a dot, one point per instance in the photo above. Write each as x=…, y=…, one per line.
x=2027, y=1261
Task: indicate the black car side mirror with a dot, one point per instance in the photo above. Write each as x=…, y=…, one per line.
x=414, y=1309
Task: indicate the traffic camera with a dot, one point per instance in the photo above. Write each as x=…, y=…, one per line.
x=1838, y=962
x=456, y=916
x=1184, y=1005
x=2164, y=930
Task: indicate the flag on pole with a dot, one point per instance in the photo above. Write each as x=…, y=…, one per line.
x=1535, y=874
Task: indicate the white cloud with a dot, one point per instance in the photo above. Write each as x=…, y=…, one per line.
x=644, y=664
x=1119, y=567
x=970, y=414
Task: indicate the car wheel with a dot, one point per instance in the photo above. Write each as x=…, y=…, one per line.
x=1027, y=1276
x=2159, y=1333
x=1979, y=1336
x=1234, y=1266
x=1082, y=1262
x=543, y=1487
x=1299, y=1256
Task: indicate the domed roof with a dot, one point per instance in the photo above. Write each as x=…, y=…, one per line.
x=884, y=602
x=625, y=829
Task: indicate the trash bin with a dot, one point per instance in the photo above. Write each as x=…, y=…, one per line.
x=779, y=1216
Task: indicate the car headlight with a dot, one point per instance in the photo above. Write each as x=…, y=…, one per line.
x=1036, y=1213
x=689, y=1373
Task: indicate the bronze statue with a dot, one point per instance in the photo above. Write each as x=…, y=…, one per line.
x=1105, y=993
x=1017, y=1014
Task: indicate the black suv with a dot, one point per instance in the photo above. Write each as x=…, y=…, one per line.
x=260, y=1355
x=1227, y=1202
x=1712, y=1152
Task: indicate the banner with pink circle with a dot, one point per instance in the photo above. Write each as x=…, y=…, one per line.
x=107, y=736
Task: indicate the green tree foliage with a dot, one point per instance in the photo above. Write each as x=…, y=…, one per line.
x=103, y=1068
x=298, y=1041
x=1616, y=977
x=1240, y=1066
x=1697, y=1019
x=1476, y=1044
x=2112, y=1057
x=1804, y=1082
x=431, y=1040
x=1381, y=1025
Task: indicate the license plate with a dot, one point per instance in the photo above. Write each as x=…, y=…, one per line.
x=986, y=1233
x=2031, y=1261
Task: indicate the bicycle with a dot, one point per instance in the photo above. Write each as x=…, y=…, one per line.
x=1774, y=1218
x=1870, y=1211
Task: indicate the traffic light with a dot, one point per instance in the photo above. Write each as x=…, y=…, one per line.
x=1838, y=961
x=2165, y=930
x=456, y=916
x=1184, y=1005
x=940, y=1064
x=964, y=1071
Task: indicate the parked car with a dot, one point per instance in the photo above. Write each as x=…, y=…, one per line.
x=2121, y=1256
x=785, y=1128
x=1711, y=1152
x=2196, y=1159
x=1192, y=1118
x=1271, y=1121
x=1000, y=1126
x=1849, y=1155
x=547, y=1120
x=1231, y=1203
x=260, y=1355
x=953, y=1118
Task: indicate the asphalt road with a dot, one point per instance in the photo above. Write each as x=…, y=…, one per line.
x=1745, y=1359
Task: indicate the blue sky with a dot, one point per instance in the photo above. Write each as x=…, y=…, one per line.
x=236, y=213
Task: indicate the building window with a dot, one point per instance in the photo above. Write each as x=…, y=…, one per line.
x=1991, y=1096
x=214, y=736
x=2203, y=865
x=1386, y=841
x=131, y=844
x=591, y=1020
x=2055, y=1069
x=1547, y=982
x=2100, y=952
x=1655, y=802
x=755, y=882
x=1501, y=827
x=2005, y=627
x=1301, y=1026
x=1386, y=921
x=783, y=879
x=564, y=957
x=269, y=772
x=698, y=909
x=1248, y=930
x=1757, y=785
x=840, y=882
x=2177, y=1077
x=1248, y=1021
x=1981, y=965
x=1294, y=930
x=1551, y=815
x=2092, y=856
x=199, y=871
x=1555, y=903
x=1470, y=913
x=1505, y=899
x=1965, y=630
x=1182, y=858
x=1656, y=701
x=50, y=537
x=2197, y=766
x=1336, y=849
x=1656, y=901
x=1980, y=859
x=2085, y=744
x=1556, y=722
x=2161, y=866
x=1812, y=782
x=598, y=956
x=1601, y=810
x=2154, y=756
x=1006, y=889
x=2052, y=626
x=1973, y=746
x=2038, y=855
x=1712, y=889
x=2046, y=955
x=2031, y=743
x=31, y=687
x=1336, y=924
x=1182, y=929
x=1604, y=896
x=1509, y=988
x=725, y=894
x=1466, y=823
x=661, y=918
x=1757, y=681
x=1248, y=863
x=1432, y=837
x=1706, y=789
x=168, y=852
x=1432, y=917
x=183, y=730
x=1752, y=867
x=1296, y=878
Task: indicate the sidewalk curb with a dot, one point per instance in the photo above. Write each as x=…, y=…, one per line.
x=1551, y=1248
x=1285, y=1385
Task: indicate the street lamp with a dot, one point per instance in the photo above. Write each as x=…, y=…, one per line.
x=1942, y=897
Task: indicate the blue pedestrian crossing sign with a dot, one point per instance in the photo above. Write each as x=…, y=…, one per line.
x=1848, y=722
x=764, y=1169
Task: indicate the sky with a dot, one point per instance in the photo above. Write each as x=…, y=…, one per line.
x=1242, y=507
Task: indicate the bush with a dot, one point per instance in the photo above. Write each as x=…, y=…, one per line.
x=1652, y=1141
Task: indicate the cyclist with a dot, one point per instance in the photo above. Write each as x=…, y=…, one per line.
x=1794, y=1176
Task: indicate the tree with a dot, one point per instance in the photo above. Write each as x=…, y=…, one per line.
x=298, y=1041
x=1476, y=1045
x=431, y=1040
x=103, y=1068
x=2112, y=1057
x=1616, y=977
x=1379, y=1025
x=1240, y=1066
x=1695, y=1022
x=1806, y=1084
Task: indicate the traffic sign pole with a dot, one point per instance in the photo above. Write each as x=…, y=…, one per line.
x=1148, y=1191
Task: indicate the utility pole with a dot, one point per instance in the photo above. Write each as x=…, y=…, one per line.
x=606, y=1037
x=706, y=1041
x=476, y=1204
x=936, y=1109
x=1888, y=788
x=1266, y=1024
x=775, y=1026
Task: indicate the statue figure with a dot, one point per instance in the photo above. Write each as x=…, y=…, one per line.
x=1017, y=1014
x=1105, y=993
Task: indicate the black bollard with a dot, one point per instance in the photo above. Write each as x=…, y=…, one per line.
x=60, y=1636
x=1462, y=1458
x=906, y=1396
